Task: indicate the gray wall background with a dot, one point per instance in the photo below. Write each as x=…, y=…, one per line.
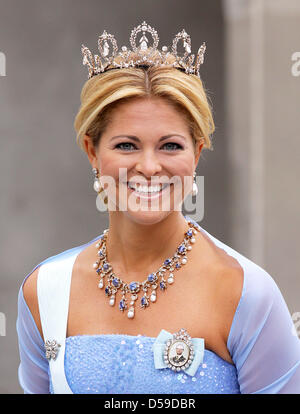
x=47, y=199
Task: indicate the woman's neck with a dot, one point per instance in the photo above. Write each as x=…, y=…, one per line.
x=134, y=250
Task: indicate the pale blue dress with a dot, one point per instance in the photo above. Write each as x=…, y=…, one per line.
x=262, y=342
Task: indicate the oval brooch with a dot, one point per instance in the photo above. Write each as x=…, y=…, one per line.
x=178, y=351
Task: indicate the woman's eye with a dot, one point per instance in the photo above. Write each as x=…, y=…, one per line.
x=173, y=146
x=169, y=146
x=127, y=146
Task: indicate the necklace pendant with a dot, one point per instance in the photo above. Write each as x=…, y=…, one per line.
x=107, y=291
x=153, y=296
x=163, y=285
x=130, y=313
x=171, y=278
x=144, y=301
x=112, y=300
x=101, y=283
x=122, y=305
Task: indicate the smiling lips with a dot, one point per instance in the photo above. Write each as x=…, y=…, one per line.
x=145, y=191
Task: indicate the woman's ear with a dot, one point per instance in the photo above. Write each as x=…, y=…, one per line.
x=198, y=148
x=90, y=150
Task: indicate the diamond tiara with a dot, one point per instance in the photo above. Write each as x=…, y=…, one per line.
x=144, y=55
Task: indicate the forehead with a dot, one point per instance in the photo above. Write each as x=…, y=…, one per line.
x=142, y=112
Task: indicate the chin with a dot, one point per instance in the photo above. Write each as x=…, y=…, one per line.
x=146, y=218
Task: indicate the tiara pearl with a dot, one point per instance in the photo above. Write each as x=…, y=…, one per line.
x=144, y=54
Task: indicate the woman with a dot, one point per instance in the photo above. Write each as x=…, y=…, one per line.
x=155, y=304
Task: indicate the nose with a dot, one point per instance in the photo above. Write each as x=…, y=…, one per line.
x=148, y=164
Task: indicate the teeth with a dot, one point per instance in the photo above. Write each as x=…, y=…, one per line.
x=145, y=188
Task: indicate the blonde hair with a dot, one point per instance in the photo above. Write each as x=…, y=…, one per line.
x=102, y=93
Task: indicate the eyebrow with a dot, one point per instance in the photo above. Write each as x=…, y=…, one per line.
x=134, y=138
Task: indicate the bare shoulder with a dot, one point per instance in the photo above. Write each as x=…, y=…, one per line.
x=222, y=280
x=30, y=296
x=226, y=280
x=227, y=275
x=229, y=280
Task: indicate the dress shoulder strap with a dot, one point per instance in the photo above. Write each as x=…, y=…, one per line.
x=53, y=291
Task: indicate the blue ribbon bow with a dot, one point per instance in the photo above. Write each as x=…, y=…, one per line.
x=159, y=347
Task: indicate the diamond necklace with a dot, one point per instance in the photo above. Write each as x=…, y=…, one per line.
x=152, y=282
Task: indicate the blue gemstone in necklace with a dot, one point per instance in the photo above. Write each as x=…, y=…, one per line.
x=132, y=286
x=151, y=277
x=189, y=233
x=162, y=285
x=115, y=282
x=122, y=305
x=106, y=266
x=167, y=262
x=144, y=301
x=181, y=249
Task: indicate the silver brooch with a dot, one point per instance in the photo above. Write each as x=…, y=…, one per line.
x=179, y=351
x=51, y=349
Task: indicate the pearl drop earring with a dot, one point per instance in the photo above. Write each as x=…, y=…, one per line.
x=195, y=187
x=97, y=185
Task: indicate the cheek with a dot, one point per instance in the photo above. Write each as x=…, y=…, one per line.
x=183, y=169
x=181, y=166
x=109, y=167
x=110, y=163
